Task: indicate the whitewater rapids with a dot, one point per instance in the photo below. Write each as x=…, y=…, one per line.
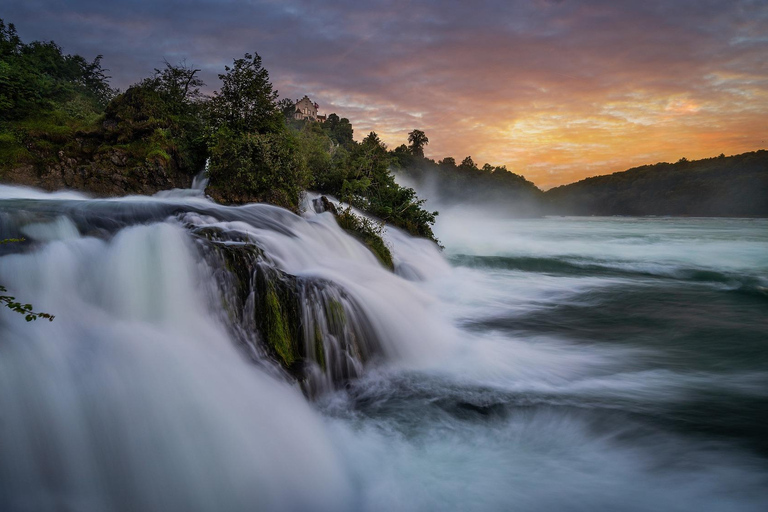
x=541, y=364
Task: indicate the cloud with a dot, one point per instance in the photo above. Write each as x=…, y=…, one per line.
x=555, y=90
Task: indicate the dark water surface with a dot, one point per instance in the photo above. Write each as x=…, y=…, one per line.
x=560, y=364
x=605, y=364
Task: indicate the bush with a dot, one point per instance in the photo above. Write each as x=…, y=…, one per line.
x=257, y=167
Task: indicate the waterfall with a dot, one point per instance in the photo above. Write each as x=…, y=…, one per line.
x=206, y=357
x=184, y=333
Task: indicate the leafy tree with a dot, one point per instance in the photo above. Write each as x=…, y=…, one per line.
x=287, y=107
x=162, y=116
x=339, y=130
x=468, y=164
x=247, y=167
x=178, y=86
x=38, y=78
x=417, y=140
x=246, y=101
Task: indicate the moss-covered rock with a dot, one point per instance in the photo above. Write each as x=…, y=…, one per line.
x=277, y=313
x=368, y=233
x=310, y=327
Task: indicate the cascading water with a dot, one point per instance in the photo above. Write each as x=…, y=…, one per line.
x=245, y=358
x=136, y=397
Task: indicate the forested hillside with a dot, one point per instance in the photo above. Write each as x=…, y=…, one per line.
x=734, y=186
x=63, y=126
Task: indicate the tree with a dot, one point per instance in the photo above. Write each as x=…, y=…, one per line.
x=287, y=107
x=179, y=86
x=166, y=112
x=246, y=102
x=339, y=130
x=248, y=167
x=417, y=140
x=38, y=78
x=468, y=164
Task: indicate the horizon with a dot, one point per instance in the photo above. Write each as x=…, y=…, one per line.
x=556, y=91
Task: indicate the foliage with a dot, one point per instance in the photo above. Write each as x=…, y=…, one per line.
x=38, y=78
x=46, y=97
x=339, y=130
x=23, y=309
x=721, y=186
x=359, y=174
x=248, y=167
x=367, y=232
x=246, y=101
x=488, y=187
x=417, y=139
x=165, y=113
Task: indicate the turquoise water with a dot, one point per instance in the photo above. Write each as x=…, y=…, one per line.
x=604, y=364
x=565, y=364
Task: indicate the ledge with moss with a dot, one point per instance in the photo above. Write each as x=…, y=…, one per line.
x=53, y=155
x=369, y=233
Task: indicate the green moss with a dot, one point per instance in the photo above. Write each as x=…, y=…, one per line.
x=334, y=310
x=377, y=246
x=278, y=332
x=367, y=232
x=319, y=348
x=47, y=128
x=11, y=151
x=159, y=153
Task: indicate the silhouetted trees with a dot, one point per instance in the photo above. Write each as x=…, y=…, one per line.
x=417, y=139
x=721, y=186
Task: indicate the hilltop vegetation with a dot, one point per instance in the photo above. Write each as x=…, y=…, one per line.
x=448, y=183
x=63, y=126
x=713, y=187
x=735, y=186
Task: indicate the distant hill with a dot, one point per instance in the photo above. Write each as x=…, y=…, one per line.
x=734, y=186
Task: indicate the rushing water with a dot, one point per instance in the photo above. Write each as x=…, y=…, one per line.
x=542, y=364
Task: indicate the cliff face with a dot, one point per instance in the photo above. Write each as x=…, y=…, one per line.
x=110, y=173
x=90, y=162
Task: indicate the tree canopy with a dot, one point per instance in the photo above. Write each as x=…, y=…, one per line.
x=246, y=101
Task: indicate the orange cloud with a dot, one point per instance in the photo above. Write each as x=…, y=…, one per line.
x=556, y=90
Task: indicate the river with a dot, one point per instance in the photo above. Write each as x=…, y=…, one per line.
x=573, y=364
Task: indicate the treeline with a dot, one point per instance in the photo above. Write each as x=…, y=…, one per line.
x=62, y=125
x=734, y=186
x=446, y=183
x=722, y=186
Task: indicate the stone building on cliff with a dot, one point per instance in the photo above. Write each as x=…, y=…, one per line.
x=307, y=109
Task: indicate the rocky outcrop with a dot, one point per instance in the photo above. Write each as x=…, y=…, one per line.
x=311, y=328
x=108, y=171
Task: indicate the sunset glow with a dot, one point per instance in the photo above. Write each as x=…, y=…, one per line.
x=554, y=90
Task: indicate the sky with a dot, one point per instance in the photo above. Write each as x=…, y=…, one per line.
x=555, y=90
